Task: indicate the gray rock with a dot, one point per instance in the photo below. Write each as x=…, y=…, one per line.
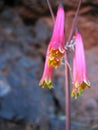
x=4, y=86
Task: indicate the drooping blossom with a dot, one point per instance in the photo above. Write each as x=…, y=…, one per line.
x=55, y=51
x=80, y=80
x=46, y=80
x=56, y=45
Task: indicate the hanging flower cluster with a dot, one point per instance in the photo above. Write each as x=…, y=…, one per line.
x=56, y=52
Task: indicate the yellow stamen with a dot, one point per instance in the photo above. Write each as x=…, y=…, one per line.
x=55, y=57
x=46, y=83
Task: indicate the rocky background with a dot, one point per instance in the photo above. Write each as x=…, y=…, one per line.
x=25, y=30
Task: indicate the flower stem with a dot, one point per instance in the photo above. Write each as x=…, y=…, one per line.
x=51, y=11
x=74, y=23
x=67, y=95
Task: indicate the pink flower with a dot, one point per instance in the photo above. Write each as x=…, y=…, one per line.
x=80, y=81
x=55, y=51
x=56, y=45
x=46, y=80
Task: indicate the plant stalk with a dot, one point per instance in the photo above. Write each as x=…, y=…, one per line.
x=74, y=23
x=67, y=95
x=51, y=11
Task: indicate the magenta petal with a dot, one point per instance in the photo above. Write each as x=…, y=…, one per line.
x=46, y=80
x=57, y=49
x=80, y=81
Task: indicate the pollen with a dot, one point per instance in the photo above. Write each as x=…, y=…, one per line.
x=55, y=57
x=46, y=83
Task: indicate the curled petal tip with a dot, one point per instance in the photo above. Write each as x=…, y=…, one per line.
x=78, y=89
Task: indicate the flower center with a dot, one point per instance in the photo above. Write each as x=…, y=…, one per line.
x=55, y=57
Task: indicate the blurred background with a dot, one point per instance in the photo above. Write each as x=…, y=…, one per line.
x=25, y=30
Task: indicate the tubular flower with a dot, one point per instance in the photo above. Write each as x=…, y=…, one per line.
x=47, y=76
x=56, y=45
x=80, y=82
